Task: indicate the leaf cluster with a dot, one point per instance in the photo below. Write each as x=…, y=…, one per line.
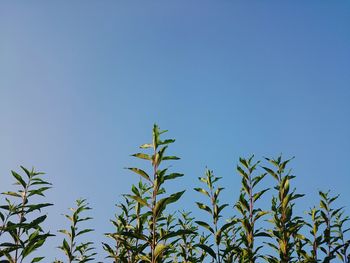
x=21, y=217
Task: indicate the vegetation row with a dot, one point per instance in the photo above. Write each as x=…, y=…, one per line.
x=146, y=230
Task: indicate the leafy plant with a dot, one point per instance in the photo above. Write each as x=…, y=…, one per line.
x=21, y=227
x=123, y=251
x=153, y=243
x=249, y=214
x=286, y=226
x=342, y=243
x=187, y=250
x=215, y=228
x=77, y=252
x=316, y=237
x=128, y=223
x=331, y=219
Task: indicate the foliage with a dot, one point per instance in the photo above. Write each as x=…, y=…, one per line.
x=217, y=230
x=187, y=251
x=77, y=252
x=286, y=226
x=21, y=229
x=154, y=242
x=249, y=214
x=147, y=229
x=130, y=220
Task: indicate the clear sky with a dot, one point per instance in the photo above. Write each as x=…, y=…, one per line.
x=82, y=82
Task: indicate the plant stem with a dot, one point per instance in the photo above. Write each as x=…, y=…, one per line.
x=154, y=202
x=21, y=218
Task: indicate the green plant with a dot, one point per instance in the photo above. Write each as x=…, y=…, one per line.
x=22, y=219
x=154, y=243
x=187, y=250
x=342, y=243
x=123, y=251
x=316, y=237
x=331, y=219
x=249, y=214
x=215, y=228
x=128, y=223
x=286, y=226
x=77, y=252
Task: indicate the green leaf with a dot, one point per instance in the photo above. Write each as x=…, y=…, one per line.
x=203, y=191
x=161, y=204
x=12, y=194
x=220, y=208
x=204, y=207
x=207, y=249
x=259, y=194
x=142, y=156
x=38, y=207
x=140, y=172
x=262, y=234
x=134, y=235
x=159, y=249
x=39, y=191
x=36, y=222
x=176, y=233
x=242, y=172
x=19, y=179
x=205, y=225
x=172, y=176
x=28, y=173
x=84, y=231
x=168, y=141
x=257, y=179
x=271, y=172
x=36, y=242
x=66, y=248
x=170, y=158
x=138, y=199
x=146, y=146
x=37, y=259
x=260, y=214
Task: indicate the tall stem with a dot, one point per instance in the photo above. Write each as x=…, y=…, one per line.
x=251, y=207
x=215, y=223
x=154, y=202
x=21, y=218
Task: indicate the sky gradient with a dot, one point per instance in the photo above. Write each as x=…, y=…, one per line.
x=82, y=82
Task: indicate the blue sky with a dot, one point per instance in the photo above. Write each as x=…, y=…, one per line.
x=81, y=84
